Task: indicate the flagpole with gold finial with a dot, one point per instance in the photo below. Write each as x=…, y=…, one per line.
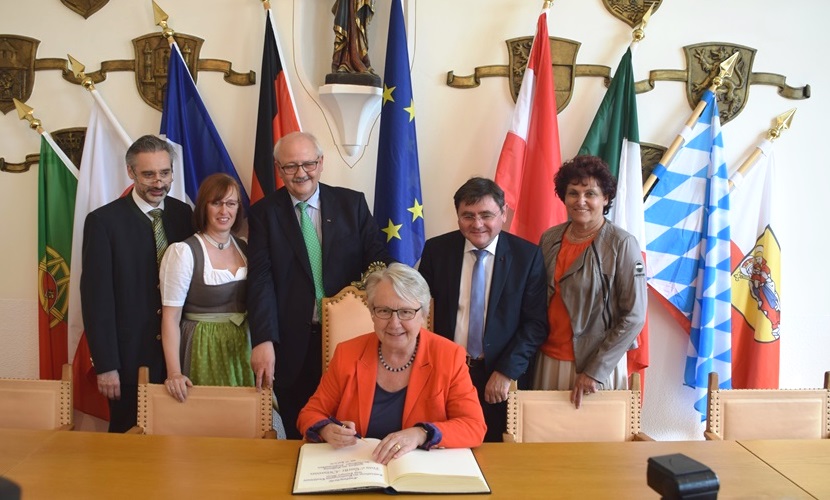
x=725, y=72
x=640, y=32
x=78, y=70
x=160, y=18
x=26, y=113
x=782, y=123
x=266, y=4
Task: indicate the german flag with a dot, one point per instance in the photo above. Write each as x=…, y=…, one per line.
x=276, y=117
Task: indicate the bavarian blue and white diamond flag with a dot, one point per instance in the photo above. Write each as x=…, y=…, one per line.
x=688, y=249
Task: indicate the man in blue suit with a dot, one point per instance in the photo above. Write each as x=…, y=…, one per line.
x=513, y=291
x=283, y=307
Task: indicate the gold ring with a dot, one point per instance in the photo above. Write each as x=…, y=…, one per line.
x=397, y=446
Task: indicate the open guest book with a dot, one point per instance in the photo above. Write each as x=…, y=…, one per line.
x=322, y=468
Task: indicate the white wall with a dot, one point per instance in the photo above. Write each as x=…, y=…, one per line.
x=460, y=131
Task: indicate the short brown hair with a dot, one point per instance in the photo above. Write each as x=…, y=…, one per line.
x=579, y=170
x=477, y=188
x=214, y=188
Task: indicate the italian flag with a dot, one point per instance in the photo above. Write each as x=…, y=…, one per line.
x=57, y=184
x=614, y=136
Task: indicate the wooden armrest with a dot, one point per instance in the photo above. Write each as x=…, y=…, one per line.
x=135, y=430
x=508, y=438
x=642, y=436
x=272, y=434
x=67, y=427
x=711, y=436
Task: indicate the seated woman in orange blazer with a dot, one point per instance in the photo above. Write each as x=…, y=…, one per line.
x=402, y=384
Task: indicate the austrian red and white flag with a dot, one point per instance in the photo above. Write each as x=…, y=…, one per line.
x=530, y=156
x=102, y=179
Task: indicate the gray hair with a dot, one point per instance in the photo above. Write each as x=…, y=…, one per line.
x=294, y=136
x=407, y=283
x=149, y=144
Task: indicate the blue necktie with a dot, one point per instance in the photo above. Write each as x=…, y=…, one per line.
x=475, y=332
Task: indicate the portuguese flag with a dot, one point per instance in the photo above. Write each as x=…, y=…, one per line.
x=57, y=183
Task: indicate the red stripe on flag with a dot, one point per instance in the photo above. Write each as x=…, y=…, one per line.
x=85, y=384
x=684, y=322
x=52, y=346
x=637, y=359
x=276, y=117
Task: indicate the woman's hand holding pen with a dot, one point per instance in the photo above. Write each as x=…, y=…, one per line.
x=340, y=434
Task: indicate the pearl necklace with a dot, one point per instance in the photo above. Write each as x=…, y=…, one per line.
x=215, y=243
x=401, y=368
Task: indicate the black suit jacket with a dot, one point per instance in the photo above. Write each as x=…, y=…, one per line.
x=280, y=286
x=516, y=323
x=120, y=297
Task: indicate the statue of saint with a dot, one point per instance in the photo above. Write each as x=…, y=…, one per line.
x=350, y=61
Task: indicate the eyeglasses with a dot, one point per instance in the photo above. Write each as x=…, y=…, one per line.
x=230, y=204
x=403, y=314
x=308, y=166
x=149, y=176
x=483, y=216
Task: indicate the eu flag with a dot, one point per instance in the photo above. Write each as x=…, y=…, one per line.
x=399, y=209
x=187, y=125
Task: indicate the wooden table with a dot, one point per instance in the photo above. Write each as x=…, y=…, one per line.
x=805, y=462
x=17, y=445
x=51, y=464
x=618, y=470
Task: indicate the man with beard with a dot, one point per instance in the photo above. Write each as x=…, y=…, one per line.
x=121, y=304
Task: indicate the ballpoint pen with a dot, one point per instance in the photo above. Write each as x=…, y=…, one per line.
x=341, y=424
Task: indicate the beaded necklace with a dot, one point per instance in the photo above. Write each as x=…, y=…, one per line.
x=401, y=368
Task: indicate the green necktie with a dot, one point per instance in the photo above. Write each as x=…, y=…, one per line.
x=315, y=253
x=158, y=233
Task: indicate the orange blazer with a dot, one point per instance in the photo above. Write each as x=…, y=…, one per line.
x=440, y=391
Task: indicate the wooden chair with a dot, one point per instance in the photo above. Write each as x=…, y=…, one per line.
x=37, y=404
x=549, y=416
x=767, y=413
x=346, y=316
x=208, y=411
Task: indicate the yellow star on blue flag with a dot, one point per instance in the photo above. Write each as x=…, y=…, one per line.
x=392, y=231
x=387, y=94
x=417, y=210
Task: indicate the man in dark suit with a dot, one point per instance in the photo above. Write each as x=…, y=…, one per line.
x=120, y=298
x=283, y=299
x=513, y=291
